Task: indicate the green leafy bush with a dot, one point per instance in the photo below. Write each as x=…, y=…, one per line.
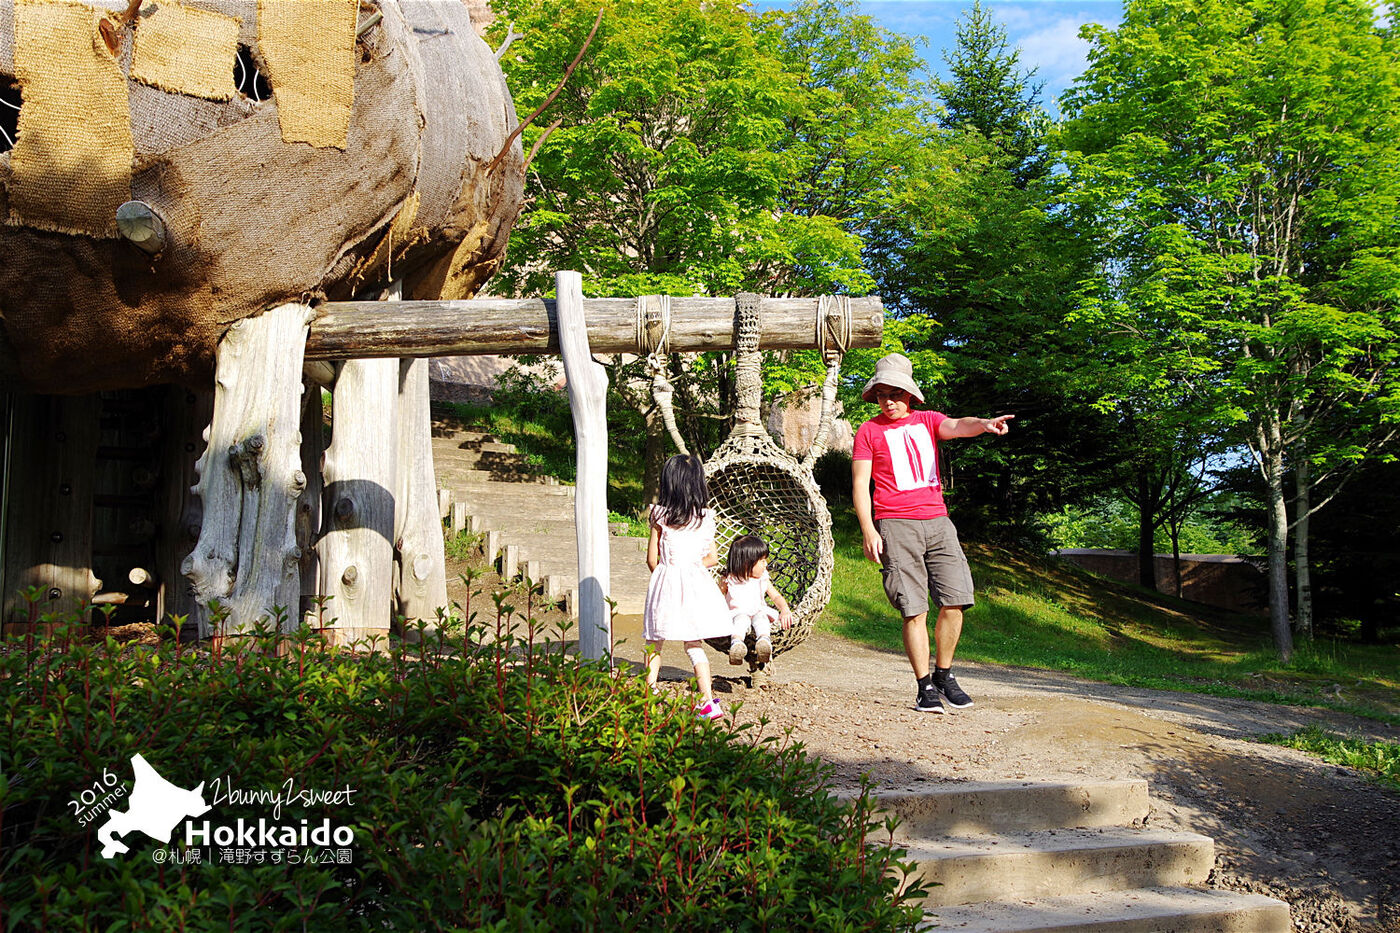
x=1379, y=760
x=496, y=783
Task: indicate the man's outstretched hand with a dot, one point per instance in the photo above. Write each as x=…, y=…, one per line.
x=998, y=424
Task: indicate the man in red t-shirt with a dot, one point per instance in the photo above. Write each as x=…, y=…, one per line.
x=909, y=532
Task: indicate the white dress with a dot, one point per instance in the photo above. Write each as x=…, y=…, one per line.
x=746, y=596
x=683, y=600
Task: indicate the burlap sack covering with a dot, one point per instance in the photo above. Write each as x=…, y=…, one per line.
x=253, y=220
x=186, y=51
x=71, y=163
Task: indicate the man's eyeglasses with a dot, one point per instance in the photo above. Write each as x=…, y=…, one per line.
x=891, y=395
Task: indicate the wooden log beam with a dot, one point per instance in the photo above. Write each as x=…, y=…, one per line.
x=360, y=329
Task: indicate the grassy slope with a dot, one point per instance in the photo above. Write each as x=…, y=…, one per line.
x=1042, y=613
x=1047, y=614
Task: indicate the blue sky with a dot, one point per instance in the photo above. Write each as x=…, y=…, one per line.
x=1046, y=31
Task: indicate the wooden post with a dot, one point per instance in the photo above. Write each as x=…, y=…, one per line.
x=313, y=451
x=357, y=546
x=250, y=474
x=48, y=533
x=187, y=417
x=588, y=387
x=420, y=569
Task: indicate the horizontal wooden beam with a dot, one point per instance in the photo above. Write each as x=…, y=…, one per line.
x=359, y=329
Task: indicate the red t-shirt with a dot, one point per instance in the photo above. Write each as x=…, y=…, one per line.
x=903, y=459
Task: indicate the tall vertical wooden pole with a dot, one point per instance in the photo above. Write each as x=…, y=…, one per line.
x=313, y=452
x=420, y=570
x=250, y=474
x=356, y=549
x=588, y=388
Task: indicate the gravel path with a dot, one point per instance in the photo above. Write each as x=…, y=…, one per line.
x=1320, y=837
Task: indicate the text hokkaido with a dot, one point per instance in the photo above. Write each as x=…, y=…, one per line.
x=262, y=833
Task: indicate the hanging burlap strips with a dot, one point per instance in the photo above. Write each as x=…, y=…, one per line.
x=308, y=47
x=186, y=51
x=7, y=40
x=251, y=220
x=71, y=163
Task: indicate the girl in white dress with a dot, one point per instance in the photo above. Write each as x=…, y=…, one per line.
x=745, y=583
x=683, y=601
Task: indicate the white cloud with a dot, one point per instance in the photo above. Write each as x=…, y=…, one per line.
x=1056, y=50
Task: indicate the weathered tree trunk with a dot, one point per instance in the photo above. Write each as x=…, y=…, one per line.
x=313, y=451
x=187, y=417
x=588, y=388
x=250, y=474
x=48, y=539
x=357, y=545
x=1302, y=571
x=1147, y=548
x=1271, y=464
x=420, y=569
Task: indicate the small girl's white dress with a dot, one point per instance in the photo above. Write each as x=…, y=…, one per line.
x=683, y=601
x=747, y=607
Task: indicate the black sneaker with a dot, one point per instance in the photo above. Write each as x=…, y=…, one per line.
x=953, y=693
x=927, y=701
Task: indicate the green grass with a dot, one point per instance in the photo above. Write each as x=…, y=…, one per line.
x=1378, y=760
x=1044, y=613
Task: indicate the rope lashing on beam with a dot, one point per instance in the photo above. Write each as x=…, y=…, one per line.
x=653, y=344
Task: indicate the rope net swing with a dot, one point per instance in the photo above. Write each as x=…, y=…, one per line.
x=757, y=487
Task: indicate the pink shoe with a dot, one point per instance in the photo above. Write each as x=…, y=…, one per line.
x=710, y=709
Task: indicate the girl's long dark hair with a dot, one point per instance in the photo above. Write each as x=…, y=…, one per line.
x=683, y=494
x=746, y=551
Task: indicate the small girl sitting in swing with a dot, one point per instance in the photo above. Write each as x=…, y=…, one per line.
x=745, y=582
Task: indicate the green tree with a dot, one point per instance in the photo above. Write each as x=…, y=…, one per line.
x=980, y=249
x=989, y=93
x=701, y=149
x=1243, y=162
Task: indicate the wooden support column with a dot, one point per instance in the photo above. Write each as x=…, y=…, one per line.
x=187, y=416
x=420, y=562
x=48, y=533
x=357, y=518
x=588, y=387
x=250, y=474
x=313, y=452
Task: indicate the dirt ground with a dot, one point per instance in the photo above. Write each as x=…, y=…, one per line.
x=1322, y=838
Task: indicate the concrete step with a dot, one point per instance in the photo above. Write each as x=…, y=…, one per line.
x=1059, y=862
x=483, y=443
x=527, y=521
x=1016, y=806
x=1144, y=910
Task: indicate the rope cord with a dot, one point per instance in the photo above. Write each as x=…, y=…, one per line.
x=748, y=375
x=833, y=337
x=653, y=334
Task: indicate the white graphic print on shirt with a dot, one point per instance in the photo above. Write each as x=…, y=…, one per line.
x=913, y=457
